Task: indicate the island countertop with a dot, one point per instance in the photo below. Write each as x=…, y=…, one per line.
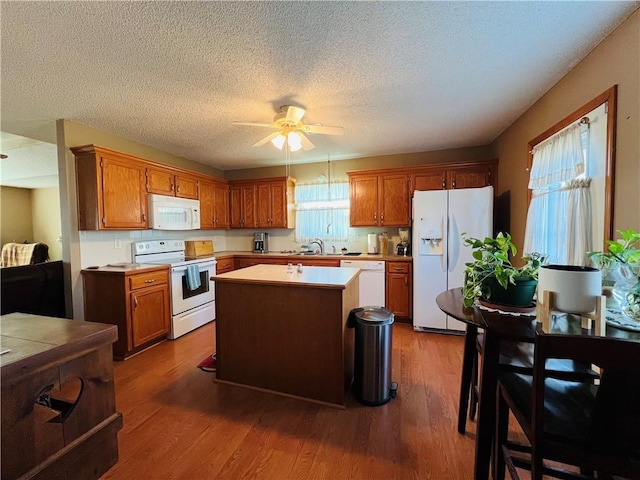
x=317, y=277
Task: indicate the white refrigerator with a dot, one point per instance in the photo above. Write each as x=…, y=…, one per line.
x=439, y=256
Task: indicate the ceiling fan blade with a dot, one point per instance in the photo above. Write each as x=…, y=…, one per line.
x=271, y=125
x=305, y=142
x=266, y=139
x=323, y=129
x=294, y=114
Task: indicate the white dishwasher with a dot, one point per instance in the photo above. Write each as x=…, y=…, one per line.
x=372, y=291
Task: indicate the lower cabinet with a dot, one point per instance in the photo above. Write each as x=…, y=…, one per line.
x=136, y=300
x=224, y=265
x=399, y=295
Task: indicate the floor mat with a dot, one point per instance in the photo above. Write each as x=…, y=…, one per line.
x=208, y=364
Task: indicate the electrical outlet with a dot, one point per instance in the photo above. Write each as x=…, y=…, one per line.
x=118, y=244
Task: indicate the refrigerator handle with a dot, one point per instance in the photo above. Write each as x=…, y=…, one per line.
x=454, y=246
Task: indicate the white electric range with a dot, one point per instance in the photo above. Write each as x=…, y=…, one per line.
x=190, y=308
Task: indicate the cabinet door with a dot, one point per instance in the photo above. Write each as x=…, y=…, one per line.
x=207, y=205
x=263, y=205
x=249, y=207
x=160, y=181
x=435, y=179
x=221, y=208
x=235, y=207
x=123, y=197
x=363, y=193
x=149, y=314
x=398, y=294
x=279, y=205
x=472, y=176
x=187, y=187
x=394, y=200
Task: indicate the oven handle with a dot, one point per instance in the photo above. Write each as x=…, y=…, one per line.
x=202, y=266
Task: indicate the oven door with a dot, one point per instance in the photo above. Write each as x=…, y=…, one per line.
x=182, y=298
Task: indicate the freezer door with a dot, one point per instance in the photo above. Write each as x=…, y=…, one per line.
x=429, y=264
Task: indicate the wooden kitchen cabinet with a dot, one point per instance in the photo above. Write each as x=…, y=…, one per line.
x=452, y=176
x=399, y=288
x=165, y=181
x=110, y=189
x=379, y=200
x=224, y=265
x=242, y=206
x=214, y=204
x=266, y=203
x=135, y=299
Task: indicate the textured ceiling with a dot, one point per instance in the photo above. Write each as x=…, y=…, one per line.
x=398, y=76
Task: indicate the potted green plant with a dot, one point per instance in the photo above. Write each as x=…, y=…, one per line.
x=623, y=254
x=492, y=277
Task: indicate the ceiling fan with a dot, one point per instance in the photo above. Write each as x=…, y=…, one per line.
x=291, y=130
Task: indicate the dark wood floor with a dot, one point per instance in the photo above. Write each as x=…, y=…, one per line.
x=179, y=424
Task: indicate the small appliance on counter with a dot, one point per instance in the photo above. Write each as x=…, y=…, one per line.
x=260, y=242
x=404, y=247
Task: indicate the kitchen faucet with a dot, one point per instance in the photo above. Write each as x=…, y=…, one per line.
x=319, y=242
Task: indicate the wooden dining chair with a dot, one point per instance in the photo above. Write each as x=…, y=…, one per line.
x=515, y=356
x=592, y=427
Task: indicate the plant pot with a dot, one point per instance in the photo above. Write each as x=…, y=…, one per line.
x=575, y=287
x=518, y=295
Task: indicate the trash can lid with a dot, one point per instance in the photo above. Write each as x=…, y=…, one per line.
x=377, y=315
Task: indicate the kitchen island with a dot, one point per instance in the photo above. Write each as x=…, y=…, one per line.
x=286, y=332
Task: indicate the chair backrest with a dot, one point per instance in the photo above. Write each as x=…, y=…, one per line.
x=615, y=420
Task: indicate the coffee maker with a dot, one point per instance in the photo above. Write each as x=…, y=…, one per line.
x=404, y=247
x=260, y=242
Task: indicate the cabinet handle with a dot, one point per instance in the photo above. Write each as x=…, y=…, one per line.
x=173, y=187
x=405, y=282
x=144, y=217
x=398, y=269
x=135, y=303
x=375, y=217
x=150, y=281
x=453, y=185
x=382, y=217
x=444, y=184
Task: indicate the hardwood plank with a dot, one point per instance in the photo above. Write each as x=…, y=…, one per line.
x=180, y=424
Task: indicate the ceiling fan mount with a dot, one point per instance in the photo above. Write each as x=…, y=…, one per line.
x=290, y=120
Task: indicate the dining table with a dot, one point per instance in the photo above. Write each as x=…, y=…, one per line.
x=503, y=326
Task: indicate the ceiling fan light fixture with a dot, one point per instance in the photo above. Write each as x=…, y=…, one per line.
x=295, y=142
x=278, y=141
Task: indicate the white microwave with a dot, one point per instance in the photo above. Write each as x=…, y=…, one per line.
x=173, y=213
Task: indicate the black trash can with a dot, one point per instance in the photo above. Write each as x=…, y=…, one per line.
x=372, y=383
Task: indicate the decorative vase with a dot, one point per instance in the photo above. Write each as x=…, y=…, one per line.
x=518, y=295
x=626, y=292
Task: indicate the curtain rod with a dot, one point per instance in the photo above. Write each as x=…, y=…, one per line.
x=582, y=121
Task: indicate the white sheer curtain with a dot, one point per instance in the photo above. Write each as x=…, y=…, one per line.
x=559, y=217
x=322, y=212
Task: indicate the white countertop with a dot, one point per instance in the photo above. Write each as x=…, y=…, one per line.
x=327, y=277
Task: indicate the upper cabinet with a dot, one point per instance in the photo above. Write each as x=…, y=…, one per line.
x=379, y=200
x=242, y=206
x=455, y=175
x=111, y=190
x=165, y=181
x=214, y=204
x=382, y=198
x=264, y=203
